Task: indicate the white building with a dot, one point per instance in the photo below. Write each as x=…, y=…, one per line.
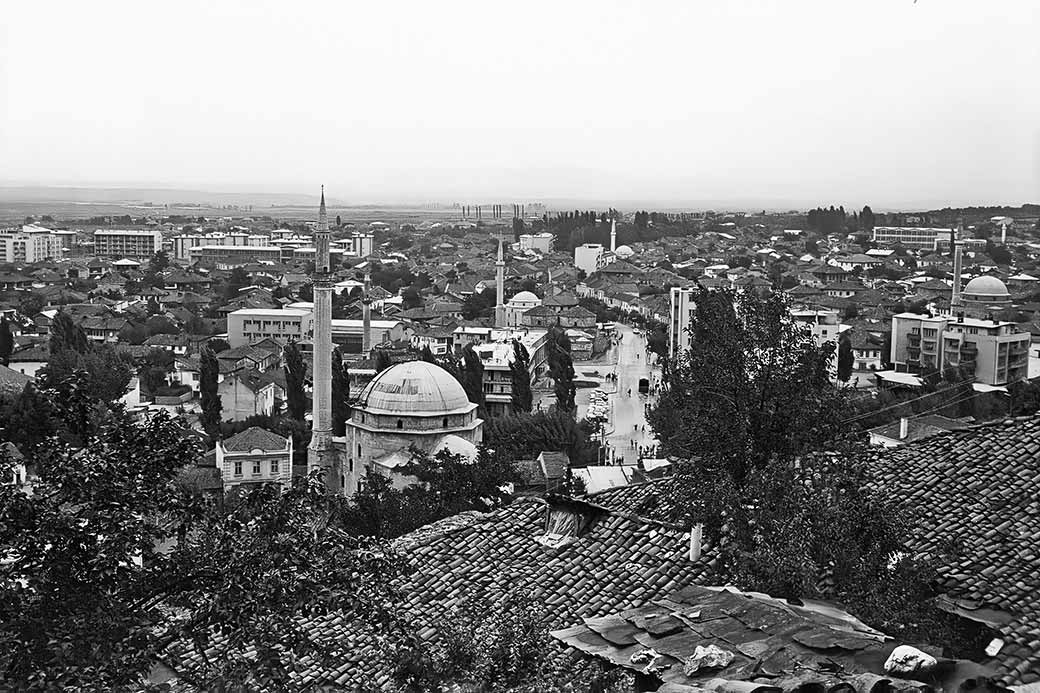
x=682, y=307
x=139, y=243
x=29, y=244
x=539, y=242
x=592, y=257
x=183, y=243
x=825, y=324
x=250, y=325
x=255, y=456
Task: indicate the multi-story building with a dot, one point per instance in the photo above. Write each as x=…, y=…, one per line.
x=682, y=307
x=183, y=243
x=497, y=355
x=592, y=257
x=825, y=324
x=910, y=236
x=996, y=351
x=229, y=256
x=133, y=243
x=29, y=244
x=359, y=244
x=250, y=325
x=255, y=456
x=539, y=242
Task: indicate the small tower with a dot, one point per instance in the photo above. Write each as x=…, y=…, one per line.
x=366, y=317
x=613, y=234
x=955, y=238
x=500, y=287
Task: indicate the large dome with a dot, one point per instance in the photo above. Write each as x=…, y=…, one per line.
x=624, y=252
x=417, y=388
x=985, y=287
x=525, y=297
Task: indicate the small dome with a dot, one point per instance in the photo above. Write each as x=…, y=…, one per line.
x=986, y=286
x=416, y=388
x=624, y=251
x=456, y=445
x=525, y=297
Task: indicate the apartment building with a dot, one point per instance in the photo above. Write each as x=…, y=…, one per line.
x=592, y=257
x=132, y=243
x=496, y=357
x=680, y=315
x=998, y=353
x=539, y=242
x=229, y=256
x=29, y=244
x=183, y=244
x=250, y=325
x=910, y=236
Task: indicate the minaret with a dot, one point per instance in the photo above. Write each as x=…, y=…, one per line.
x=955, y=238
x=613, y=234
x=500, y=286
x=320, y=452
x=366, y=318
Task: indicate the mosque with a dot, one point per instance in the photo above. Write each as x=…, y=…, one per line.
x=412, y=404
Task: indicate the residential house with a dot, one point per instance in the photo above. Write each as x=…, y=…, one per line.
x=255, y=456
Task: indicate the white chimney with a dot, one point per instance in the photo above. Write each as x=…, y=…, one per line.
x=904, y=428
x=695, y=542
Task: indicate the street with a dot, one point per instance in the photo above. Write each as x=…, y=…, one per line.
x=629, y=419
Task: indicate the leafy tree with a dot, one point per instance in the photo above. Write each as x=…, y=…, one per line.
x=520, y=375
x=410, y=298
x=159, y=262
x=6, y=341
x=523, y=436
x=295, y=374
x=154, y=369
x=209, y=371
x=66, y=335
x=218, y=344
x=120, y=565
x=845, y=359
x=866, y=218
x=29, y=419
x=340, y=394
x=427, y=355
x=238, y=280
x=31, y=305
x=305, y=292
x=561, y=368
x=472, y=377
x=382, y=360
x=103, y=372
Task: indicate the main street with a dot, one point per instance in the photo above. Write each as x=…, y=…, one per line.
x=629, y=418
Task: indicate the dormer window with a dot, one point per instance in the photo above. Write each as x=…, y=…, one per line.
x=566, y=521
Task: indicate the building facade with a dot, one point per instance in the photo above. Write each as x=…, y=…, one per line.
x=133, y=243
x=680, y=315
x=592, y=257
x=544, y=242
x=29, y=244
x=910, y=236
x=250, y=325
x=255, y=456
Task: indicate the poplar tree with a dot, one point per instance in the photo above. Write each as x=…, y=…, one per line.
x=520, y=373
x=340, y=394
x=295, y=372
x=209, y=371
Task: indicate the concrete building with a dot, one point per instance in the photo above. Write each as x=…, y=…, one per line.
x=681, y=313
x=544, y=242
x=231, y=256
x=349, y=334
x=910, y=236
x=825, y=324
x=183, y=244
x=409, y=404
x=29, y=244
x=250, y=325
x=245, y=394
x=998, y=353
x=134, y=243
x=592, y=257
x=255, y=456
x=496, y=356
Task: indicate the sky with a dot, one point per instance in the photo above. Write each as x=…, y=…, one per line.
x=891, y=103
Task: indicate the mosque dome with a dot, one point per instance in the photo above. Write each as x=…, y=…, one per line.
x=525, y=297
x=416, y=388
x=986, y=287
x=624, y=252
x=456, y=446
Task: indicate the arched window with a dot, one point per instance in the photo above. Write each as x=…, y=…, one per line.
x=400, y=424
x=359, y=449
x=444, y=424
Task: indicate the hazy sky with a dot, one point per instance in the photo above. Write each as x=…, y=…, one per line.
x=887, y=102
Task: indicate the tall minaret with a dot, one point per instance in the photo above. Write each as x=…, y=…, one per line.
x=366, y=318
x=500, y=286
x=955, y=238
x=320, y=452
x=613, y=234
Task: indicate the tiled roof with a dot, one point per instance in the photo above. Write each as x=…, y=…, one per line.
x=651, y=499
x=618, y=563
x=773, y=645
x=977, y=513
x=254, y=438
x=12, y=382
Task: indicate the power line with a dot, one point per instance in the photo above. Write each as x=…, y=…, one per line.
x=866, y=415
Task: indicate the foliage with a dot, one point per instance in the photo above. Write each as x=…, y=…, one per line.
x=520, y=375
x=154, y=369
x=6, y=341
x=382, y=360
x=561, y=369
x=846, y=359
x=480, y=304
x=237, y=280
x=472, y=377
x=218, y=345
x=66, y=335
x=106, y=372
x=295, y=373
x=117, y=566
x=28, y=419
x=158, y=262
x=340, y=394
x=524, y=436
x=209, y=371
x=427, y=355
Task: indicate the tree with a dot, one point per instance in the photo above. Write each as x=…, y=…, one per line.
x=120, y=565
x=523, y=436
x=67, y=335
x=340, y=394
x=209, y=370
x=410, y=298
x=154, y=369
x=104, y=372
x=295, y=374
x=339, y=221
x=158, y=262
x=6, y=341
x=866, y=218
x=29, y=419
x=218, y=344
x=427, y=355
x=382, y=360
x=237, y=281
x=520, y=376
x=846, y=359
x=561, y=369
x=472, y=377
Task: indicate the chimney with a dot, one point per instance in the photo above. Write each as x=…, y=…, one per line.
x=696, y=534
x=904, y=428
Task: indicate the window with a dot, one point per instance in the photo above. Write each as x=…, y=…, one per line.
x=256, y=466
x=359, y=449
x=274, y=467
x=400, y=424
x=444, y=423
x=238, y=467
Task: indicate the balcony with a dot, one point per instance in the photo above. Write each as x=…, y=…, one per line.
x=913, y=338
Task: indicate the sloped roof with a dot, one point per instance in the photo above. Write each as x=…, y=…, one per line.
x=974, y=496
x=774, y=645
x=12, y=382
x=254, y=438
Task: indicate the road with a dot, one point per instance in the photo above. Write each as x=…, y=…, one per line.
x=629, y=419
